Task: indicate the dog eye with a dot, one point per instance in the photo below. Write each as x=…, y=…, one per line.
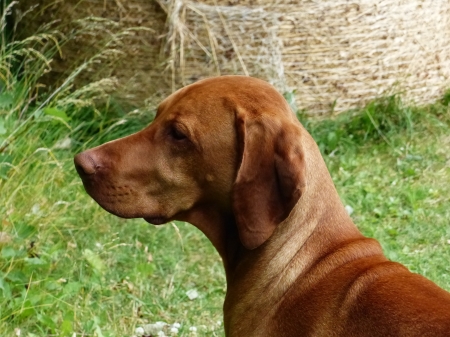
x=176, y=134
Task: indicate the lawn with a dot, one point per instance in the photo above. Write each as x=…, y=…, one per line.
x=68, y=268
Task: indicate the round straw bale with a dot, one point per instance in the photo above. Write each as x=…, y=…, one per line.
x=333, y=54
x=120, y=38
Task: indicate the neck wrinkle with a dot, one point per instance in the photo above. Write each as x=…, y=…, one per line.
x=261, y=280
x=220, y=228
x=315, y=226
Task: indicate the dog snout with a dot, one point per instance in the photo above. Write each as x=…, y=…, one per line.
x=85, y=164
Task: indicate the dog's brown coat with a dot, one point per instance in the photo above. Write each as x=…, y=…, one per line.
x=227, y=155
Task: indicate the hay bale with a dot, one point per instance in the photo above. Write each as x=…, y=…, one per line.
x=333, y=54
x=120, y=39
x=206, y=40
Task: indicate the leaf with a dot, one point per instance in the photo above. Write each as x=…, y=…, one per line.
x=332, y=140
x=72, y=288
x=57, y=113
x=94, y=260
x=17, y=277
x=47, y=321
x=8, y=252
x=66, y=327
x=6, y=289
x=6, y=100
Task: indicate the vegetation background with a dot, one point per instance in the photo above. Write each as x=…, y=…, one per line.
x=68, y=268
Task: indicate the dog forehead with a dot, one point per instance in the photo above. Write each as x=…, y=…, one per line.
x=193, y=110
x=194, y=103
x=216, y=95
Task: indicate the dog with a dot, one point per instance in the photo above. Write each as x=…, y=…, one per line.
x=227, y=155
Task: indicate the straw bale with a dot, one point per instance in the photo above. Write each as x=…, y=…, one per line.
x=121, y=38
x=333, y=54
x=206, y=40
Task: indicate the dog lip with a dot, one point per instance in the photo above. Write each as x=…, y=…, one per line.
x=156, y=220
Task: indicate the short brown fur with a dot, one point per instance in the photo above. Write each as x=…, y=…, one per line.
x=227, y=155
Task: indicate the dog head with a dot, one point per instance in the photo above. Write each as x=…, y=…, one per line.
x=228, y=144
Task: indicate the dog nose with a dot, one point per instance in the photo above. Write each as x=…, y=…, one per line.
x=85, y=164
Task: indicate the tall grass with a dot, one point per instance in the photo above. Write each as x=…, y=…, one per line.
x=68, y=268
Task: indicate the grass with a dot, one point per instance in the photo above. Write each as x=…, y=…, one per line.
x=390, y=163
x=69, y=268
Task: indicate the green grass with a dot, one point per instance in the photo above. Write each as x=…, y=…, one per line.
x=67, y=266
x=390, y=163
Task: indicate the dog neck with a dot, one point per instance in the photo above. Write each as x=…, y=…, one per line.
x=266, y=273
x=319, y=219
x=308, y=222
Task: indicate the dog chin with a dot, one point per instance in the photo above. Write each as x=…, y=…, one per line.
x=156, y=220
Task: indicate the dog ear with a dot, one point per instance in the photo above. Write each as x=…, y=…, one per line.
x=271, y=176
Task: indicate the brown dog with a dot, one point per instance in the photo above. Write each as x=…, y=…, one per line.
x=227, y=155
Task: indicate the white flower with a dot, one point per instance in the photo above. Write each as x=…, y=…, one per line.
x=63, y=144
x=193, y=329
x=35, y=210
x=139, y=331
x=160, y=325
x=192, y=294
x=174, y=331
x=349, y=209
x=154, y=329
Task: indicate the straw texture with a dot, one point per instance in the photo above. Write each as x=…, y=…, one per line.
x=332, y=54
x=117, y=38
